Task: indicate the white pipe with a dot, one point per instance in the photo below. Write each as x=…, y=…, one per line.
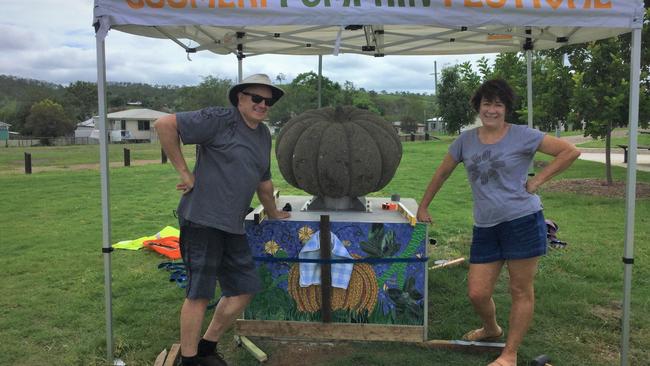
x=320, y=79
x=529, y=85
x=105, y=185
x=630, y=191
x=529, y=92
x=239, y=69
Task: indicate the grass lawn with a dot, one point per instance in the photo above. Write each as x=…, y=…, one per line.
x=52, y=308
x=643, y=139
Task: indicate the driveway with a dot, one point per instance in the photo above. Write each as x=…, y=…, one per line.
x=598, y=154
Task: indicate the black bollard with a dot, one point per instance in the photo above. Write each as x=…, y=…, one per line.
x=412, y=136
x=426, y=136
x=127, y=157
x=28, y=163
x=163, y=156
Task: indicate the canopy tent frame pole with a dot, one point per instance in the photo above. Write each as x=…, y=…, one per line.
x=529, y=86
x=529, y=97
x=105, y=186
x=630, y=191
x=320, y=79
x=239, y=69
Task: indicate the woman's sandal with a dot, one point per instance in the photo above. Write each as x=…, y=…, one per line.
x=478, y=335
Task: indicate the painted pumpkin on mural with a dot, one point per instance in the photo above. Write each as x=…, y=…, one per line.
x=360, y=295
x=338, y=152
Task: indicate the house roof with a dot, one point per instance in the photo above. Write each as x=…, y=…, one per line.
x=138, y=113
x=2, y=124
x=87, y=123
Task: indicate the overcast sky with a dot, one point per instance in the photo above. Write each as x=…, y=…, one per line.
x=53, y=40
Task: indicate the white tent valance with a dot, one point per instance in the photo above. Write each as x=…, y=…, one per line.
x=372, y=27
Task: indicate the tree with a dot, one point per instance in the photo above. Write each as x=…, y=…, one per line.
x=210, y=92
x=511, y=67
x=453, y=98
x=80, y=100
x=47, y=118
x=409, y=124
x=553, y=90
x=302, y=94
x=601, y=91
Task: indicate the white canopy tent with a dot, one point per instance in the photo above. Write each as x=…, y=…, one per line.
x=375, y=28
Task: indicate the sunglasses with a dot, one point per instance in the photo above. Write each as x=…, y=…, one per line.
x=258, y=99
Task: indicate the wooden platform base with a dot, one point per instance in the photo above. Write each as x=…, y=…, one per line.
x=330, y=331
x=470, y=346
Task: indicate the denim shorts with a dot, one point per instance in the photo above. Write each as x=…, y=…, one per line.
x=521, y=238
x=211, y=254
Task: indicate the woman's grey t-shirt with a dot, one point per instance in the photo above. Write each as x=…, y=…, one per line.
x=498, y=172
x=232, y=160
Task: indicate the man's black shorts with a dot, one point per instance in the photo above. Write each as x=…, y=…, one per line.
x=211, y=254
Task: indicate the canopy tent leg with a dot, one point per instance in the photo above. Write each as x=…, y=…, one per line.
x=320, y=79
x=529, y=92
x=106, y=215
x=630, y=191
x=239, y=69
x=529, y=86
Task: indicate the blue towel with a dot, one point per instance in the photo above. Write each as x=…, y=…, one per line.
x=310, y=272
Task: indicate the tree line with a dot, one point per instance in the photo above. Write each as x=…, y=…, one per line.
x=39, y=108
x=575, y=87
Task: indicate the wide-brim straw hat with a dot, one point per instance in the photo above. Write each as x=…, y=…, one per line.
x=255, y=79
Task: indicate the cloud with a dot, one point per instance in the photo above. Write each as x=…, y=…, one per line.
x=47, y=41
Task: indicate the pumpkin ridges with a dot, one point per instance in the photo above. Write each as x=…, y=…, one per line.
x=365, y=161
x=289, y=135
x=332, y=164
x=300, y=130
x=391, y=151
x=305, y=158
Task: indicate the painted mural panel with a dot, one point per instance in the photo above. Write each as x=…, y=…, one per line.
x=384, y=284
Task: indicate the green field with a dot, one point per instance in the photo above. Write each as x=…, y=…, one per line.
x=52, y=304
x=642, y=140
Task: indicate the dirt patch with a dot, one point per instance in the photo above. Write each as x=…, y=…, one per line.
x=595, y=187
x=300, y=352
x=88, y=166
x=610, y=314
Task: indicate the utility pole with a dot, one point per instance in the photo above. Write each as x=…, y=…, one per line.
x=435, y=78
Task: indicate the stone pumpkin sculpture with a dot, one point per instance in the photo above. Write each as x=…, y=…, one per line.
x=335, y=153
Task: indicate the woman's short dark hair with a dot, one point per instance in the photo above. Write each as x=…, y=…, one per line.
x=492, y=90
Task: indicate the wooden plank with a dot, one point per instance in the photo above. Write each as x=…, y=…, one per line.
x=251, y=348
x=449, y=263
x=325, y=269
x=173, y=355
x=160, y=360
x=330, y=331
x=408, y=215
x=470, y=346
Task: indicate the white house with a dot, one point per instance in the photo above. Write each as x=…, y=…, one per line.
x=137, y=124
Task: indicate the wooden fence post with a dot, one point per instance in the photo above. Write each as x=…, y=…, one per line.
x=127, y=157
x=28, y=163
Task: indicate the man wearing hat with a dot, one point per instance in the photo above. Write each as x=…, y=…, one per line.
x=233, y=162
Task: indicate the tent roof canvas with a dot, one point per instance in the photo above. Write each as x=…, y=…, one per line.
x=374, y=28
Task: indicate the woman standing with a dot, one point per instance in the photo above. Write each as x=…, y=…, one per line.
x=509, y=225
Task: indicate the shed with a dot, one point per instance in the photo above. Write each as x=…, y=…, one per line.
x=4, y=131
x=85, y=128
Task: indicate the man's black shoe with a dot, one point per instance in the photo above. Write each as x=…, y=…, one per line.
x=215, y=359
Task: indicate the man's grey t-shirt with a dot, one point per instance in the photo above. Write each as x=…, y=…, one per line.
x=498, y=172
x=233, y=159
